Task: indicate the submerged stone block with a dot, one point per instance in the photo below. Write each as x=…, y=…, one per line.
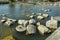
x=40, y=17
x=3, y=14
x=32, y=16
x=21, y=21
x=8, y=23
x=43, y=29
x=26, y=23
x=4, y=18
x=2, y=21
x=32, y=21
x=45, y=15
x=31, y=29
x=20, y=28
x=57, y=18
x=13, y=20
x=39, y=14
x=33, y=13
x=38, y=23
x=52, y=24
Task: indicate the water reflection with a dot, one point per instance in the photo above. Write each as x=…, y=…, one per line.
x=12, y=10
x=19, y=9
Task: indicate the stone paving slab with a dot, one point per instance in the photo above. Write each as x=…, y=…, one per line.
x=55, y=35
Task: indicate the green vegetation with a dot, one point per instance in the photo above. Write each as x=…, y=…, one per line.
x=30, y=0
x=35, y=2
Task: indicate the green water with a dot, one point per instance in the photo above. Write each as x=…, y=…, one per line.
x=19, y=11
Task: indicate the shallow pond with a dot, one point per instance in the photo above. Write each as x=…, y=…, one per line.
x=19, y=11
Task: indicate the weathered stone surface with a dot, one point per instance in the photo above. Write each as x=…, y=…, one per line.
x=40, y=17
x=21, y=21
x=45, y=15
x=43, y=29
x=13, y=20
x=9, y=19
x=20, y=28
x=38, y=23
x=27, y=15
x=26, y=23
x=38, y=14
x=32, y=21
x=57, y=18
x=33, y=13
x=2, y=21
x=52, y=18
x=47, y=10
x=31, y=29
x=8, y=23
x=4, y=18
x=32, y=16
x=55, y=35
x=52, y=24
x=3, y=14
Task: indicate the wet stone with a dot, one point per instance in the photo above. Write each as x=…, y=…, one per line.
x=26, y=23
x=38, y=23
x=39, y=14
x=8, y=23
x=32, y=16
x=43, y=29
x=31, y=29
x=20, y=28
x=21, y=22
x=32, y=21
x=40, y=17
x=45, y=15
x=52, y=24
